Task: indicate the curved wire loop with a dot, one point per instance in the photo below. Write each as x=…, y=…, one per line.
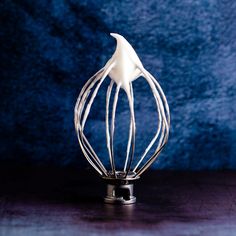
x=81, y=114
x=163, y=125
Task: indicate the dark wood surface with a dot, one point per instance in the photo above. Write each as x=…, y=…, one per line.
x=70, y=202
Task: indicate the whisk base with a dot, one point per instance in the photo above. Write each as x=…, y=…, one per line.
x=121, y=194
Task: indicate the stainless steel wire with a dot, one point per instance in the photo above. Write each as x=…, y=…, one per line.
x=81, y=113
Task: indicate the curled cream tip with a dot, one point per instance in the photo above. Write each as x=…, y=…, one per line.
x=126, y=63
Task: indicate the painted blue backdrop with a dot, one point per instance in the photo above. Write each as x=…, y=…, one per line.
x=48, y=50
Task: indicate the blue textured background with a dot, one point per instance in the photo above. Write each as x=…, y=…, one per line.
x=48, y=49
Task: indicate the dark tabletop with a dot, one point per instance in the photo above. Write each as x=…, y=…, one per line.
x=39, y=201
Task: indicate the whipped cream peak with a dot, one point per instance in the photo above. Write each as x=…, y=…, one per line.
x=126, y=63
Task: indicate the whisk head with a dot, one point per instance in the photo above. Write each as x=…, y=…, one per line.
x=122, y=70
